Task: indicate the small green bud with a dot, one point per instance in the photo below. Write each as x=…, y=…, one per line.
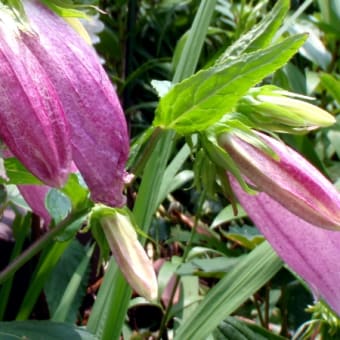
x=275, y=109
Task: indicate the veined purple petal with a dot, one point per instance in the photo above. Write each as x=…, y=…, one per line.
x=32, y=120
x=100, y=142
x=311, y=252
x=35, y=196
x=292, y=181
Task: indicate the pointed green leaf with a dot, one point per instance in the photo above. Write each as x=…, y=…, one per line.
x=75, y=289
x=201, y=100
x=260, y=35
x=66, y=286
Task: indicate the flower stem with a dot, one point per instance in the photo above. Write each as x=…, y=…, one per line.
x=37, y=246
x=165, y=318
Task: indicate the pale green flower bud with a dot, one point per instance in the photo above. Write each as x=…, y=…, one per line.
x=282, y=111
x=127, y=250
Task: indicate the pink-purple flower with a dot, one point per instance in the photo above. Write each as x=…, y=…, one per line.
x=293, y=201
x=33, y=123
x=311, y=252
x=99, y=136
x=290, y=180
x=58, y=105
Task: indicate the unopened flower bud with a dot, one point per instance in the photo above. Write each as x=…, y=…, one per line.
x=127, y=250
x=292, y=180
x=33, y=124
x=282, y=111
x=99, y=137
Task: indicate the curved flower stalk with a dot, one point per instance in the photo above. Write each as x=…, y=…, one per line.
x=33, y=124
x=99, y=136
x=311, y=252
x=292, y=181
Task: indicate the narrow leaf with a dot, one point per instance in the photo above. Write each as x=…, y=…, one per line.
x=332, y=86
x=43, y=330
x=260, y=35
x=107, y=316
x=45, y=266
x=234, y=289
x=66, y=286
x=232, y=328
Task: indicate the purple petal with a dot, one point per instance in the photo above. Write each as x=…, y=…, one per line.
x=310, y=251
x=292, y=180
x=32, y=120
x=100, y=142
x=35, y=196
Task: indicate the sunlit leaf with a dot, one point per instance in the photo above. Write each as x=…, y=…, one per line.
x=201, y=100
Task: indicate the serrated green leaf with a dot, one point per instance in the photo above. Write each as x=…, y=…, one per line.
x=201, y=100
x=245, y=279
x=260, y=35
x=43, y=330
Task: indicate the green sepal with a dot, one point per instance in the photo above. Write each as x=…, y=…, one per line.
x=94, y=224
x=221, y=158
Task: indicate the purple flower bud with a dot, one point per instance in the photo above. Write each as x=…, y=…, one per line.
x=292, y=181
x=99, y=137
x=32, y=119
x=310, y=251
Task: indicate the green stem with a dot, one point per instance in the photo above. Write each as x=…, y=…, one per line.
x=258, y=309
x=148, y=193
x=37, y=246
x=24, y=223
x=165, y=318
x=146, y=154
